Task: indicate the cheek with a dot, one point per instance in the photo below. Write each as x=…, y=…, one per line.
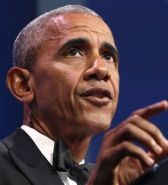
x=54, y=98
x=116, y=87
x=67, y=83
x=115, y=81
x=64, y=87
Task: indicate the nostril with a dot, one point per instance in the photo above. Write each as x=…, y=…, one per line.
x=95, y=76
x=97, y=73
x=92, y=76
x=106, y=78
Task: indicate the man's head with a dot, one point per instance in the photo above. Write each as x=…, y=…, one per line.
x=67, y=72
x=38, y=31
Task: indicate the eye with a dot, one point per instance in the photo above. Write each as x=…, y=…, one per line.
x=109, y=57
x=73, y=52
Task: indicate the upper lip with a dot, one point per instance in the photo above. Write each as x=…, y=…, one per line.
x=97, y=92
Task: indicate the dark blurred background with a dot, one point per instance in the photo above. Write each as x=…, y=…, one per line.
x=140, y=29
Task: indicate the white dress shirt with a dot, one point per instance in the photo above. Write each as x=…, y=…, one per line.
x=46, y=146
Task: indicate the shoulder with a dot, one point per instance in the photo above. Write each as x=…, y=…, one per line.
x=3, y=149
x=4, y=154
x=7, y=166
x=4, y=161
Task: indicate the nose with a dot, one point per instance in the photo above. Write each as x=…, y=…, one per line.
x=98, y=70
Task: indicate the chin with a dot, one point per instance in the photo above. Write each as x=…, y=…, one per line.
x=95, y=126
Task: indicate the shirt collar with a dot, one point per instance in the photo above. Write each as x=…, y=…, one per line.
x=44, y=143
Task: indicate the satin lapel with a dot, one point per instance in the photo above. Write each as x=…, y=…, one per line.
x=29, y=160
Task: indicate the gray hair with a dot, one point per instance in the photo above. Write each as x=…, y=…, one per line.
x=30, y=38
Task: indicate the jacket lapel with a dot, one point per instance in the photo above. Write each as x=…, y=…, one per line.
x=29, y=159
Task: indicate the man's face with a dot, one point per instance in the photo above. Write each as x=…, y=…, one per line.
x=76, y=80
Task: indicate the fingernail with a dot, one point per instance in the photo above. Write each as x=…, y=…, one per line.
x=158, y=149
x=150, y=161
x=165, y=142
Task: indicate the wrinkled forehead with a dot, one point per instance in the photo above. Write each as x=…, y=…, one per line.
x=71, y=24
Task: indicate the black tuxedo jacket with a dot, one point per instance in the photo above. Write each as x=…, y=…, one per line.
x=21, y=162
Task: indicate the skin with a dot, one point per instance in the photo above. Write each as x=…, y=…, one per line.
x=121, y=160
x=80, y=66
x=77, y=59
x=72, y=93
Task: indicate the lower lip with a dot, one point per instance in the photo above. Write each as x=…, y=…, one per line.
x=98, y=101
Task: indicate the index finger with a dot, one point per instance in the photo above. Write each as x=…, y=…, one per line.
x=153, y=109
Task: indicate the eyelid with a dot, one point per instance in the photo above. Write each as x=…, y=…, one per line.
x=68, y=50
x=111, y=54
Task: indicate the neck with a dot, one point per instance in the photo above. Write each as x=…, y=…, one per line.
x=78, y=147
x=77, y=143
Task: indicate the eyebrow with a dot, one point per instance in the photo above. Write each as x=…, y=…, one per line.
x=85, y=42
x=76, y=42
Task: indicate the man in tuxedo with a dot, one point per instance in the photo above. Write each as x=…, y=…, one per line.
x=66, y=75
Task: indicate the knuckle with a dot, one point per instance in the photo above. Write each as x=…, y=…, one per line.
x=150, y=141
x=125, y=146
x=105, y=135
x=156, y=131
x=136, y=112
x=110, y=133
x=128, y=129
x=135, y=117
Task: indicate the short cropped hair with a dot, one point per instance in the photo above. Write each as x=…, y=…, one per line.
x=28, y=41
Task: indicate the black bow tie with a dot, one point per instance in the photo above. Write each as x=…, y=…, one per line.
x=63, y=161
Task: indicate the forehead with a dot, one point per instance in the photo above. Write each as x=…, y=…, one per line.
x=68, y=26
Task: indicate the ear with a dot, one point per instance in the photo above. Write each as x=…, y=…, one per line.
x=20, y=84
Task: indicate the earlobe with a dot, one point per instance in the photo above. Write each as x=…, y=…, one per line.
x=20, y=84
